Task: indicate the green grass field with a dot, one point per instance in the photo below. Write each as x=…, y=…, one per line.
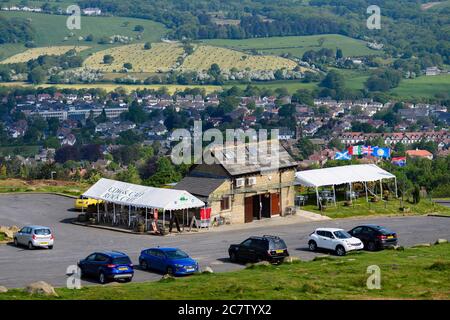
x=298, y=45
x=51, y=31
x=415, y=273
x=392, y=207
x=423, y=87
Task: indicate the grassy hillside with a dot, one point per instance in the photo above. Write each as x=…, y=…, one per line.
x=160, y=58
x=163, y=57
x=35, y=53
x=423, y=86
x=416, y=273
x=51, y=31
x=297, y=46
x=204, y=56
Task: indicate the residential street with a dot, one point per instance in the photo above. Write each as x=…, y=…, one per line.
x=19, y=266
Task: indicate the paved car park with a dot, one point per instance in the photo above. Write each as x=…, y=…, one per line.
x=19, y=266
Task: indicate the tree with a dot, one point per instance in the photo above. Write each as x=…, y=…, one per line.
x=305, y=147
x=37, y=75
x=131, y=175
x=166, y=173
x=147, y=46
x=339, y=54
x=139, y=28
x=333, y=80
x=108, y=59
x=128, y=66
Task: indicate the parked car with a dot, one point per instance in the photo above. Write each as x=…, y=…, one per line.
x=35, y=237
x=267, y=248
x=374, y=237
x=82, y=203
x=169, y=260
x=106, y=266
x=333, y=239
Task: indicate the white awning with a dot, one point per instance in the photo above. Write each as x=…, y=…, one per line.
x=141, y=196
x=341, y=175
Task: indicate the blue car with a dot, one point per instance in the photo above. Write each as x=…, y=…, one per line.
x=168, y=260
x=106, y=266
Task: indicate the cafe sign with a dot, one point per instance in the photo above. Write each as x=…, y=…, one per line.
x=121, y=195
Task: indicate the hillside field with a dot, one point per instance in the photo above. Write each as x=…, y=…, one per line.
x=163, y=57
x=160, y=58
x=35, y=53
x=298, y=45
x=51, y=31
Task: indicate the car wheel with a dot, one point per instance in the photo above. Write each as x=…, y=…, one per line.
x=170, y=270
x=102, y=278
x=371, y=246
x=233, y=257
x=16, y=243
x=30, y=246
x=340, y=251
x=50, y=247
x=144, y=265
x=127, y=280
x=312, y=245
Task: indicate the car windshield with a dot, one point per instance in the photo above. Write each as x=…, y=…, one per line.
x=384, y=230
x=277, y=244
x=42, y=232
x=342, y=235
x=121, y=260
x=176, y=254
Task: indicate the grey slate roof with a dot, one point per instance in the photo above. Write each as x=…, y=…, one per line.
x=253, y=157
x=199, y=186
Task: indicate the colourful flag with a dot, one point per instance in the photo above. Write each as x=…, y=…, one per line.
x=355, y=150
x=367, y=150
x=344, y=155
x=381, y=152
x=399, y=161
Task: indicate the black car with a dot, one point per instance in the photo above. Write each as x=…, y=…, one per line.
x=374, y=237
x=268, y=248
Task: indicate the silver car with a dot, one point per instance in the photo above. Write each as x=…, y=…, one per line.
x=34, y=237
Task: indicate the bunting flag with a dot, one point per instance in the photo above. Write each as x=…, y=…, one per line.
x=381, y=152
x=355, y=150
x=367, y=150
x=344, y=155
x=399, y=161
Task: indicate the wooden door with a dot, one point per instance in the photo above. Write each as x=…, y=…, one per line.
x=248, y=210
x=275, y=204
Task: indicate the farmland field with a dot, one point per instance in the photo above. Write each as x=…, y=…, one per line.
x=298, y=45
x=35, y=53
x=204, y=56
x=112, y=86
x=51, y=30
x=160, y=58
x=423, y=86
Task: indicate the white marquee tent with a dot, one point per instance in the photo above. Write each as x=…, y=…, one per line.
x=138, y=196
x=343, y=175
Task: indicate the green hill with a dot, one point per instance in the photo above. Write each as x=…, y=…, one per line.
x=51, y=30
x=297, y=46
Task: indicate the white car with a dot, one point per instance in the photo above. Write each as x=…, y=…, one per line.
x=334, y=239
x=34, y=237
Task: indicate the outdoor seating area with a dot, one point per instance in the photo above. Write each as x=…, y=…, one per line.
x=347, y=183
x=140, y=208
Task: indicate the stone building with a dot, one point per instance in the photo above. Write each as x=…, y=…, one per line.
x=244, y=191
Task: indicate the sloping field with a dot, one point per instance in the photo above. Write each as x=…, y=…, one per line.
x=163, y=57
x=51, y=30
x=298, y=45
x=204, y=56
x=35, y=53
x=160, y=58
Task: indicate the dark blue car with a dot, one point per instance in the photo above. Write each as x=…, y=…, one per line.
x=107, y=266
x=168, y=260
